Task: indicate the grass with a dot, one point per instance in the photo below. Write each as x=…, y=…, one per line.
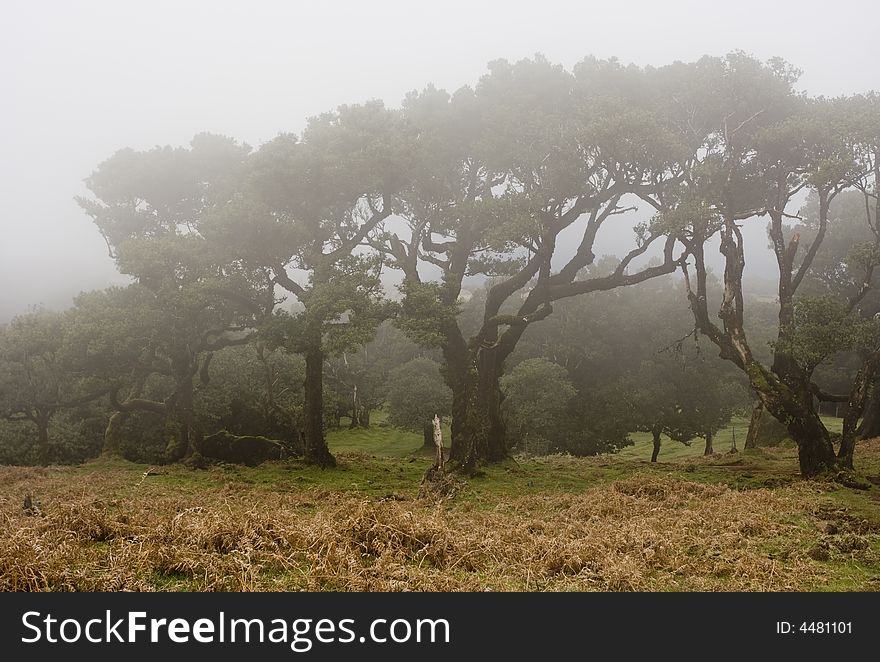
x=379, y=439
x=674, y=451
x=726, y=522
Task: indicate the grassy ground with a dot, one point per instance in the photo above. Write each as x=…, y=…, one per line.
x=671, y=450
x=740, y=521
x=382, y=439
x=379, y=439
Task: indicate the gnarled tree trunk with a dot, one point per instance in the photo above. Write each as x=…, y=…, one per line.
x=316, y=450
x=182, y=433
x=488, y=405
x=815, y=450
x=655, y=433
x=870, y=426
x=113, y=433
x=754, y=426
x=481, y=432
x=858, y=400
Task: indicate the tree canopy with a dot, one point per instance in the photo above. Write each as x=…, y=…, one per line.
x=276, y=282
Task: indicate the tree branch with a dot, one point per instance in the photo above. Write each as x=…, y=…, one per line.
x=347, y=246
x=284, y=280
x=814, y=245
x=825, y=396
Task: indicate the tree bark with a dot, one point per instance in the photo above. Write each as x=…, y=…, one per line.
x=708, y=450
x=438, y=442
x=458, y=425
x=182, y=437
x=655, y=432
x=858, y=399
x=481, y=434
x=489, y=398
x=815, y=450
x=355, y=410
x=786, y=388
x=316, y=451
x=455, y=374
x=847, y=449
x=113, y=432
x=754, y=425
x=360, y=417
x=870, y=426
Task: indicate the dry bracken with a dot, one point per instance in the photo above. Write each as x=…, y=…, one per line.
x=644, y=533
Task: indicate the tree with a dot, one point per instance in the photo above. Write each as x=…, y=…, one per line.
x=150, y=208
x=251, y=391
x=682, y=394
x=116, y=334
x=501, y=171
x=308, y=204
x=654, y=406
x=758, y=145
x=845, y=268
x=361, y=377
x=416, y=393
x=38, y=374
x=537, y=394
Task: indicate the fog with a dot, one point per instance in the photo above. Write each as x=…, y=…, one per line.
x=81, y=80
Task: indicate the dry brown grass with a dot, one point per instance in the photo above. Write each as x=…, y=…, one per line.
x=642, y=533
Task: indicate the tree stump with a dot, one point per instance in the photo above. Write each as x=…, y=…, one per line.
x=438, y=442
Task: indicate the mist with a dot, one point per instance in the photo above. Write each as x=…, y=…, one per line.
x=413, y=298
x=82, y=80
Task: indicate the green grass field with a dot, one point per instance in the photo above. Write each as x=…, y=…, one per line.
x=673, y=451
x=379, y=439
x=383, y=440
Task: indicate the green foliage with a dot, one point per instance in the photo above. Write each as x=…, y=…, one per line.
x=537, y=394
x=596, y=422
x=416, y=393
x=423, y=316
x=349, y=302
x=253, y=391
x=143, y=438
x=188, y=299
x=42, y=375
x=18, y=443
x=849, y=249
x=32, y=371
x=367, y=369
x=823, y=327
x=684, y=395
x=250, y=450
x=75, y=436
x=686, y=214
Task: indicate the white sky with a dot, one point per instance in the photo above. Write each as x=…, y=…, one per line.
x=81, y=79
